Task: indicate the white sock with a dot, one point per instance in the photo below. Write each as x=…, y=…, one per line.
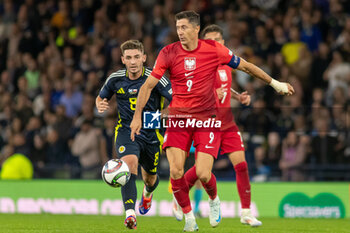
x=215, y=199
x=146, y=193
x=189, y=215
x=245, y=212
x=130, y=212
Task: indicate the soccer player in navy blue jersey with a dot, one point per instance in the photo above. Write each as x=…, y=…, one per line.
x=146, y=148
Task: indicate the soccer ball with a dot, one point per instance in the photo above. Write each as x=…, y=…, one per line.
x=116, y=173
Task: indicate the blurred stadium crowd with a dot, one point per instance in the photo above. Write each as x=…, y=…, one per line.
x=56, y=54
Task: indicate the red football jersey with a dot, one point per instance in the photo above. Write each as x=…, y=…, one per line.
x=192, y=74
x=224, y=79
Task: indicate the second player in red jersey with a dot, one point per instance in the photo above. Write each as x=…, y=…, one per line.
x=230, y=136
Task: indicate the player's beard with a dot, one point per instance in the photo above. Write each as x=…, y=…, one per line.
x=134, y=71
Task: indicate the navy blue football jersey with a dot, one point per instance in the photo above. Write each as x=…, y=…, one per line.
x=127, y=90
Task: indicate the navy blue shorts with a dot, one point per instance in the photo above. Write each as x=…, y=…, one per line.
x=147, y=153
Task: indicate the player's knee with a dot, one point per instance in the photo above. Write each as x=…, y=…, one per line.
x=133, y=167
x=150, y=180
x=203, y=175
x=176, y=173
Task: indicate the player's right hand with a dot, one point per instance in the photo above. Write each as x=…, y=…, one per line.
x=244, y=98
x=135, y=127
x=102, y=105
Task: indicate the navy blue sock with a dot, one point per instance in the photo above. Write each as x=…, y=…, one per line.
x=129, y=193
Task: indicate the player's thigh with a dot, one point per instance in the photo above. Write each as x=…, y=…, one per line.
x=207, y=141
x=204, y=165
x=236, y=157
x=231, y=141
x=176, y=158
x=128, y=151
x=179, y=138
x=232, y=145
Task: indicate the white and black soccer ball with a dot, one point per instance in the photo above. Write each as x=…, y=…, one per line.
x=116, y=173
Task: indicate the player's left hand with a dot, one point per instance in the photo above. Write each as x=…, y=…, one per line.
x=244, y=98
x=135, y=127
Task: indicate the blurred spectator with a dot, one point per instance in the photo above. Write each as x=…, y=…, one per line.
x=310, y=33
x=258, y=121
x=262, y=170
x=273, y=153
x=86, y=145
x=294, y=151
x=32, y=75
x=319, y=66
x=57, y=152
x=108, y=136
x=292, y=50
x=337, y=74
x=87, y=111
x=325, y=145
x=62, y=123
x=71, y=99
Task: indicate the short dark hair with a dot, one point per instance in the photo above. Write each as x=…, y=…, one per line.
x=132, y=44
x=212, y=28
x=192, y=17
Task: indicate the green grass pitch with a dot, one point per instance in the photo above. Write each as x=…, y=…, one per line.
x=21, y=223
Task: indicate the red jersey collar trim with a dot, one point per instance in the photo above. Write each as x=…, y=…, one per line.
x=192, y=51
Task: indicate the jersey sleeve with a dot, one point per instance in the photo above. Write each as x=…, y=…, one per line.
x=161, y=64
x=107, y=89
x=226, y=56
x=164, y=88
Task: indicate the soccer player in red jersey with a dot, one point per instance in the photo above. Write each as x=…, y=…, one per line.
x=231, y=140
x=192, y=64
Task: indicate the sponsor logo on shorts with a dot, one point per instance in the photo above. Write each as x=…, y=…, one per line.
x=121, y=149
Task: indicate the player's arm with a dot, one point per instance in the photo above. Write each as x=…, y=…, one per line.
x=253, y=70
x=164, y=89
x=105, y=94
x=142, y=98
